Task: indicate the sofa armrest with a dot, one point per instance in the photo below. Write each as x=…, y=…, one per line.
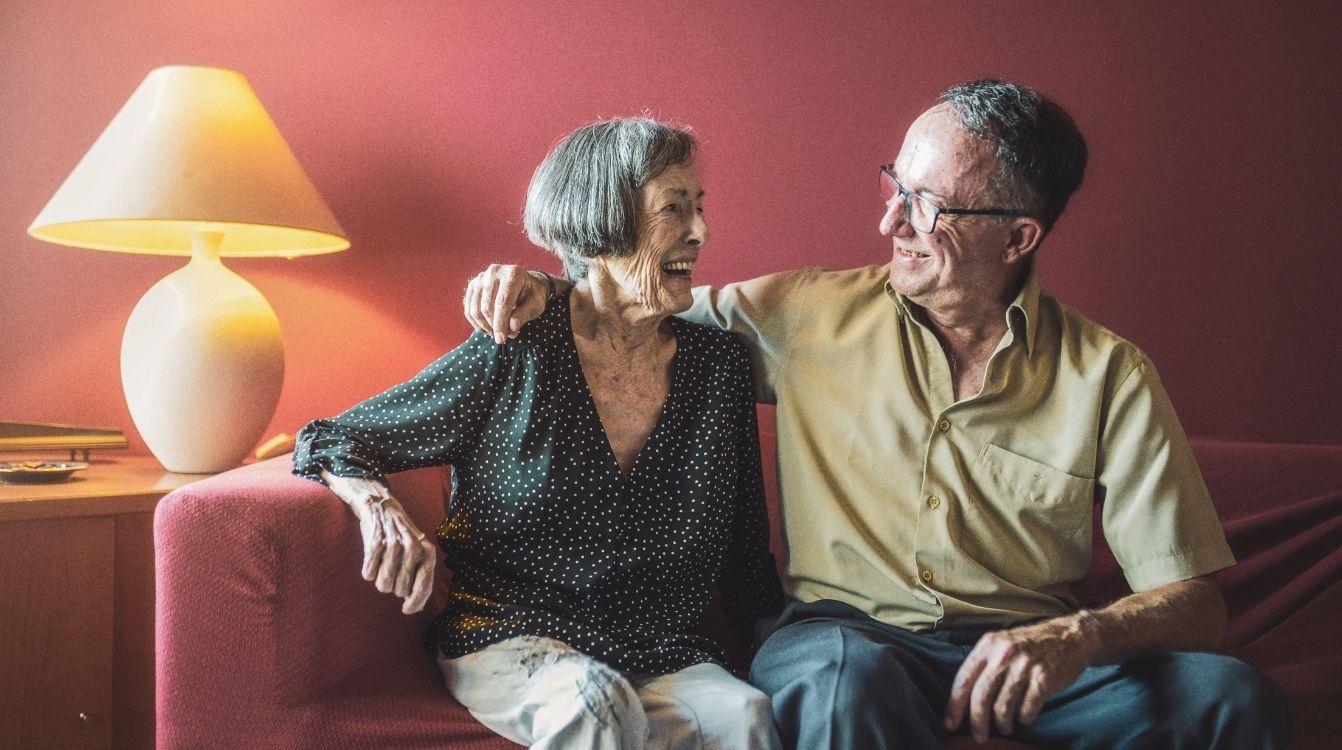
x=259, y=594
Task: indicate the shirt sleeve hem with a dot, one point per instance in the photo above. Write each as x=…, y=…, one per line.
x=1178, y=566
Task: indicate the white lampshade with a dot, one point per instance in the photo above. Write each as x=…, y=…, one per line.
x=192, y=165
x=191, y=145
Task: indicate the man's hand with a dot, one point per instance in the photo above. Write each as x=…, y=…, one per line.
x=1010, y=673
x=397, y=557
x=501, y=299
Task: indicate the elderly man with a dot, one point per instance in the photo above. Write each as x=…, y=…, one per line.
x=944, y=431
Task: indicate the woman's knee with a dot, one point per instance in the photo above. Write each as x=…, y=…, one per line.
x=601, y=688
x=570, y=688
x=738, y=718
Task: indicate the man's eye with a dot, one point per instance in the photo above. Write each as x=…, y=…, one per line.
x=672, y=207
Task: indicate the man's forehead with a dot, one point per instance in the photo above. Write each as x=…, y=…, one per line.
x=938, y=153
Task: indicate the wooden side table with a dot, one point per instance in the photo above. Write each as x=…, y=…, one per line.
x=77, y=606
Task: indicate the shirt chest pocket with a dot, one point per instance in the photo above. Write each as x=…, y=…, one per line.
x=1037, y=494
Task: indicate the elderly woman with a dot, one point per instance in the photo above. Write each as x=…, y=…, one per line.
x=607, y=476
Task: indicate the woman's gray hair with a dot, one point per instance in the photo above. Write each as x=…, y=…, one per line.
x=583, y=199
x=1041, y=156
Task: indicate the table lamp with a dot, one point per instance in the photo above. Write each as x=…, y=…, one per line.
x=193, y=166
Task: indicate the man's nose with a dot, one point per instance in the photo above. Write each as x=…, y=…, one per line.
x=895, y=222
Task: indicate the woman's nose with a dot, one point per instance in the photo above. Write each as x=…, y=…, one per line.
x=698, y=235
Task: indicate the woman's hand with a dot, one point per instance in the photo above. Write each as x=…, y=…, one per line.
x=397, y=556
x=501, y=299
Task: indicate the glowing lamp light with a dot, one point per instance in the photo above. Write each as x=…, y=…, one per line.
x=193, y=166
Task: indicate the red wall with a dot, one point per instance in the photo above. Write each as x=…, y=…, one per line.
x=1207, y=231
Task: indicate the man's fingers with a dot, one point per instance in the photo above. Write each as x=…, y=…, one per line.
x=470, y=305
x=1036, y=692
x=981, y=699
x=488, y=290
x=969, y=673
x=1010, y=694
x=505, y=300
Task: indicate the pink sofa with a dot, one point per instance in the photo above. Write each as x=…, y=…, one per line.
x=267, y=637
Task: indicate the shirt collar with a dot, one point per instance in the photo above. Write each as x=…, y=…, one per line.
x=1026, y=302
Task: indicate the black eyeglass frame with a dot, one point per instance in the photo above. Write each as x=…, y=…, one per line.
x=909, y=195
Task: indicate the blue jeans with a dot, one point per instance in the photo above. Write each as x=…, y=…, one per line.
x=840, y=679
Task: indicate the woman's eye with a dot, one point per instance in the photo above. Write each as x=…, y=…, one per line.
x=672, y=207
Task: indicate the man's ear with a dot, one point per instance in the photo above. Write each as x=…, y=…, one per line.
x=1025, y=236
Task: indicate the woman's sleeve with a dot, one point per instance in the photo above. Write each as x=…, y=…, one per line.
x=429, y=420
x=750, y=585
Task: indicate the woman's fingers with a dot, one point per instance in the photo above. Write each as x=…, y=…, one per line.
x=408, y=537
x=391, y=555
x=423, y=586
x=398, y=558
x=373, y=543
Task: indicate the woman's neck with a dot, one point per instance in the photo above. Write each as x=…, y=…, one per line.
x=604, y=315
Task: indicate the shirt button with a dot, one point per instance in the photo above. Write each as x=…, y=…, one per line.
x=927, y=576
x=933, y=502
x=944, y=425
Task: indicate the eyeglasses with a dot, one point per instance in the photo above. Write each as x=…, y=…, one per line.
x=923, y=213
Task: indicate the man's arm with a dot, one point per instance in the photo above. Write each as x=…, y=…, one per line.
x=762, y=311
x=1160, y=523
x=1010, y=673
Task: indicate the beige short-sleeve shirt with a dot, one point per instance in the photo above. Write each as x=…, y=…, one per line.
x=925, y=512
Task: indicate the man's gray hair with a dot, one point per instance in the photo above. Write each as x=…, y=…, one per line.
x=1041, y=156
x=583, y=199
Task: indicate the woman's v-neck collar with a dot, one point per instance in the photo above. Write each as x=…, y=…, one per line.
x=668, y=404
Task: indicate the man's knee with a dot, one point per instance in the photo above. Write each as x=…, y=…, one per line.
x=1235, y=699
x=1194, y=699
x=834, y=684
x=824, y=652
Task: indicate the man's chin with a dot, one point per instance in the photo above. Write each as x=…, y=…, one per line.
x=909, y=285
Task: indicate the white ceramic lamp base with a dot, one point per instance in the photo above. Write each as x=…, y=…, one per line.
x=202, y=364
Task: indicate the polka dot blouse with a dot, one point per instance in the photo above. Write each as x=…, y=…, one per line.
x=544, y=534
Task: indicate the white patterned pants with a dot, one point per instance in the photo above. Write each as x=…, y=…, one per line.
x=544, y=694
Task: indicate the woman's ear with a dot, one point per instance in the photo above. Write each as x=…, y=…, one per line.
x=1026, y=234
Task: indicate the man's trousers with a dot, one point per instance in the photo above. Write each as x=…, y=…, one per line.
x=840, y=679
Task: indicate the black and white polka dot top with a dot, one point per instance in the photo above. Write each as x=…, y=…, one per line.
x=544, y=534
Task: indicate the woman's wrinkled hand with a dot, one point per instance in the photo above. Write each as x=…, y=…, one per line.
x=501, y=299
x=397, y=557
